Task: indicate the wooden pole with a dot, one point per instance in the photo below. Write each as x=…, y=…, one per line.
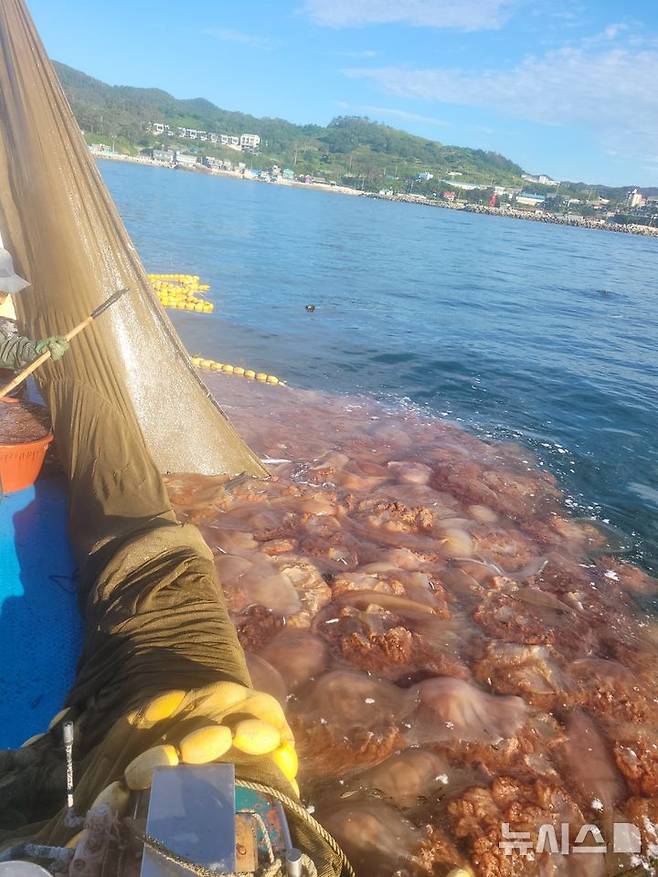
x=39, y=361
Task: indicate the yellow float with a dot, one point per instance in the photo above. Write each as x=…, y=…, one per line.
x=181, y=292
x=201, y=362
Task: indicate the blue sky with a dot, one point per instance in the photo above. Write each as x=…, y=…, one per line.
x=564, y=87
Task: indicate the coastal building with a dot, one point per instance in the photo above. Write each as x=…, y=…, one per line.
x=541, y=179
x=168, y=156
x=288, y=174
x=467, y=187
x=449, y=196
x=530, y=199
x=424, y=177
x=635, y=199
x=250, y=141
x=508, y=191
x=184, y=159
x=219, y=164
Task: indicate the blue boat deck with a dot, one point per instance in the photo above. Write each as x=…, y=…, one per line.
x=40, y=624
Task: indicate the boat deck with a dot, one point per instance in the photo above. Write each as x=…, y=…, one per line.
x=40, y=625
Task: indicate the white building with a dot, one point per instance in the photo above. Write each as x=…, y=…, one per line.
x=185, y=160
x=530, y=199
x=542, y=179
x=250, y=141
x=635, y=199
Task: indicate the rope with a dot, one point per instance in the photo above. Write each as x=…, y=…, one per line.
x=309, y=865
x=303, y=814
x=274, y=869
x=266, y=835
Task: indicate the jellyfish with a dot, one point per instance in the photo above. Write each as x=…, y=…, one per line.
x=297, y=655
x=455, y=542
x=410, y=473
x=589, y=762
x=408, y=778
x=376, y=838
x=265, y=677
x=532, y=670
x=257, y=581
x=348, y=701
x=453, y=710
x=483, y=514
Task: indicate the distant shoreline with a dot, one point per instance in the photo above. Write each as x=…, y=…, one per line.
x=510, y=212
x=217, y=172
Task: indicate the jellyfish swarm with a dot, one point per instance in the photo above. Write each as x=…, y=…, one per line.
x=388, y=546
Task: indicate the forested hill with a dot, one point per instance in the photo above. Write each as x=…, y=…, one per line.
x=348, y=148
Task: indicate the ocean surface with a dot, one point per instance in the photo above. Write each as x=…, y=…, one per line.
x=537, y=333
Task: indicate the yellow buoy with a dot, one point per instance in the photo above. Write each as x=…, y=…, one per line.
x=139, y=773
x=31, y=740
x=159, y=708
x=205, y=744
x=116, y=796
x=58, y=717
x=285, y=758
x=256, y=737
x=75, y=840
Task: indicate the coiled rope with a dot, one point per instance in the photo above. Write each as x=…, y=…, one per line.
x=302, y=813
x=276, y=867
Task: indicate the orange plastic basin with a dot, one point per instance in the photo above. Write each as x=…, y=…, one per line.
x=21, y=462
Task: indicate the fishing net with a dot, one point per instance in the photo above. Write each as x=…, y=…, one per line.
x=154, y=610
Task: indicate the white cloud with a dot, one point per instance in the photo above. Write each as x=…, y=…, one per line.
x=362, y=53
x=461, y=14
x=608, y=89
x=253, y=41
x=403, y=115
